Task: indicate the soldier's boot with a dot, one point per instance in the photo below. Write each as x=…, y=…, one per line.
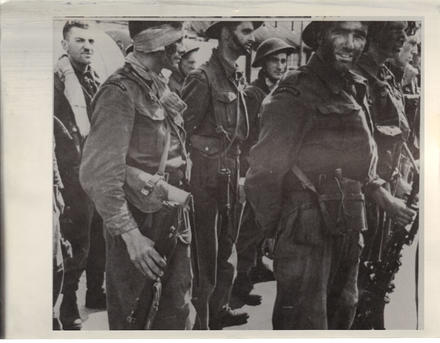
x=96, y=299
x=69, y=313
x=95, y=295
x=261, y=272
x=242, y=289
x=228, y=317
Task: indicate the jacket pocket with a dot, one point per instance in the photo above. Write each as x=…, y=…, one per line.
x=225, y=109
x=334, y=125
x=300, y=226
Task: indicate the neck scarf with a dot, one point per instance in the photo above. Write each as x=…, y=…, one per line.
x=172, y=103
x=74, y=94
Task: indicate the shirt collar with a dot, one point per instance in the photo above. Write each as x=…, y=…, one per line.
x=333, y=79
x=87, y=70
x=327, y=74
x=260, y=82
x=367, y=63
x=229, y=68
x=177, y=75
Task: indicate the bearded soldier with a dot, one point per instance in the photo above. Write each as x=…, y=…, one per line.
x=217, y=123
x=314, y=160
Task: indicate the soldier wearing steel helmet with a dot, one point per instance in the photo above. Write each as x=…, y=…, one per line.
x=271, y=56
x=314, y=160
x=217, y=123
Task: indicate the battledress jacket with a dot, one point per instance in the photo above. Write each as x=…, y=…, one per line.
x=310, y=120
x=128, y=128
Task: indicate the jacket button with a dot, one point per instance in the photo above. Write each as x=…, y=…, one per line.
x=74, y=129
x=206, y=148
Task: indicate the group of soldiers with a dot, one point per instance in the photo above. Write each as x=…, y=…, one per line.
x=300, y=166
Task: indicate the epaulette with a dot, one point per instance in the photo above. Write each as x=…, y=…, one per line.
x=116, y=79
x=116, y=83
x=290, y=83
x=199, y=73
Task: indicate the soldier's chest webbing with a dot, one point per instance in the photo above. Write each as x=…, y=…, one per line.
x=228, y=108
x=340, y=136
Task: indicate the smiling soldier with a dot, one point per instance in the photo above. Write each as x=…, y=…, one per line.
x=308, y=172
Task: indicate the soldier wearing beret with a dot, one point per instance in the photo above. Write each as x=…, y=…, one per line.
x=271, y=56
x=137, y=122
x=217, y=123
x=314, y=160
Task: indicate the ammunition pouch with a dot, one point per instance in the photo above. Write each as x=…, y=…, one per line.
x=341, y=201
x=148, y=192
x=342, y=205
x=388, y=138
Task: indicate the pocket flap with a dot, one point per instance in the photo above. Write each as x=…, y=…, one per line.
x=389, y=130
x=226, y=97
x=150, y=109
x=207, y=145
x=343, y=108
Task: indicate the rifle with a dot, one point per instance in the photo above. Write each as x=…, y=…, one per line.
x=379, y=274
x=163, y=231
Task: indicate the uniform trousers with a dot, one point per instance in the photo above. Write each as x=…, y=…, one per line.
x=124, y=283
x=316, y=272
x=216, y=237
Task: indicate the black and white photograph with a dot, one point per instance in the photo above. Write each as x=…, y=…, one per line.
x=237, y=173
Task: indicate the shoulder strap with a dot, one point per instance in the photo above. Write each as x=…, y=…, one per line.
x=328, y=221
x=304, y=179
x=164, y=157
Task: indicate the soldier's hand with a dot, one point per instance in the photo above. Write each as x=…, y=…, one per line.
x=143, y=255
x=401, y=214
x=396, y=207
x=267, y=247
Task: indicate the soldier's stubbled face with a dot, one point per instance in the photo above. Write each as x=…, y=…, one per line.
x=188, y=63
x=241, y=37
x=341, y=43
x=391, y=38
x=79, y=45
x=275, y=66
x=173, y=54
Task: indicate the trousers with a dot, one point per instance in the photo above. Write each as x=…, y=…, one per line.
x=96, y=258
x=75, y=227
x=124, y=283
x=316, y=272
x=216, y=238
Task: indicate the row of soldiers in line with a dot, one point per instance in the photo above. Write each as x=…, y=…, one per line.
x=324, y=140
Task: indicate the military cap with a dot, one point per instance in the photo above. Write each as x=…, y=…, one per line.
x=135, y=27
x=213, y=30
x=271, y=46
x=311, y=31
x=187, y=52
